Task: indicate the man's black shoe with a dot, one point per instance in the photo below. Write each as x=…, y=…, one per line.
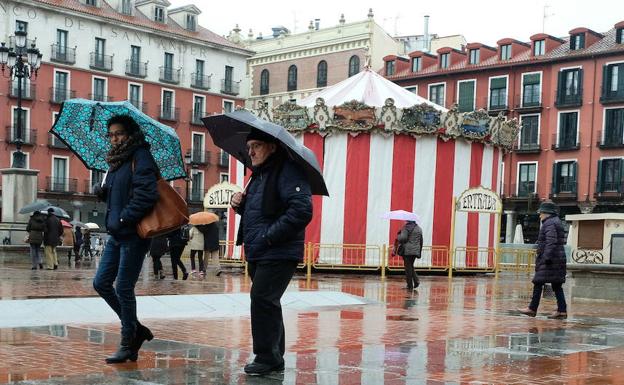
x=55, y=267
x=258, y=369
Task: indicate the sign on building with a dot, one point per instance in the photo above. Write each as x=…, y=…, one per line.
x=219, y=195
x=479, y=200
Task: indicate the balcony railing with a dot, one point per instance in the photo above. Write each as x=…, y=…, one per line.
x=230, y=87
x=169, y=75
x=224, y=159
x=200, y=81
x=607, y=96
x=196, y=195
x=89, y=186
x=28, y=136
x=563, y=191
x=101, y=62
x=528, y=148
x=524, y=190
x=611, y=139
x=135, y=68
x=564, y=145
x=100, y=97
x=28, y=90
x=61, y=185
x=196, y=117
x=59, y=95
x=63, y=54
x=562, y=100
x=54, y=142
x=200, y=157
x=169, y=113
x=528, y=103
x=141, y=106
x=609, y=190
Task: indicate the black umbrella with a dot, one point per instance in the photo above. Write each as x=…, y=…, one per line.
x=34, y=206
x=229, y=131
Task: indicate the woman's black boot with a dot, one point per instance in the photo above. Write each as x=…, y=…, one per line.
x=142, y=334
x=124, y=353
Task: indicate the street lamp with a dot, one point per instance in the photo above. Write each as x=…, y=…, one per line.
x=22, y=63
x=188, y=158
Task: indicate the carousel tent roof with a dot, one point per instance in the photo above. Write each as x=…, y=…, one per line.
x=367, y=87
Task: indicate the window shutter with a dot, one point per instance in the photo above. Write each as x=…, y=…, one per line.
x=498, y=83
x=555, y=180
x=574, y=180
x=599, y=177
x=582, y=42
x=605, y=80
x=466, y=96
x=580, y=82
x=532, y=79
x=620, y=83
x=621, y=184
x=561, y=86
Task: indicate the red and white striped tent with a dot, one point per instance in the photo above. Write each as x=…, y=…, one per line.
x=379, y=170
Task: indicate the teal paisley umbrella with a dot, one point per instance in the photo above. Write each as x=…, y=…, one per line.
x=81, y=125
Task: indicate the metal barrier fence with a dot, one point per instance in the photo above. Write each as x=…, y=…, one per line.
x=516, y=260
x=433, y=258
x=474, y=259
x=347, y=256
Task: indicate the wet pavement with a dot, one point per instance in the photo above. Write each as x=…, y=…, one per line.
x=340, y=329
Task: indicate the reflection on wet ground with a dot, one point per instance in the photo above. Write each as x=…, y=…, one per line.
x=462, y=331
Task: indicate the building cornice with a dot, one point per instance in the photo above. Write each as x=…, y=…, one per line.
x=322, y=48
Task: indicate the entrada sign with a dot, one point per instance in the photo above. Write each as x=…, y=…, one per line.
x=219, y=195
x=479, y=200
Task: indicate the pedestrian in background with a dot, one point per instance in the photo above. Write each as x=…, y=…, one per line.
x=51, y=239
x=69, y=239
x=410, y=243
x=196, y=245
x=176, y=247
x=550, y=261
x=77, y=244
x=86, y=244
x=35, y=228
x=158, y=248
x=211, y=246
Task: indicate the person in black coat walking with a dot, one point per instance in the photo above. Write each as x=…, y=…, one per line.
x=550, y=261
x=157, y=249
x=176, y=247
x=130, y=193
x=51, y=239
x=275, y=210
x=410, y=242
x=35, y=228
x=78, y=243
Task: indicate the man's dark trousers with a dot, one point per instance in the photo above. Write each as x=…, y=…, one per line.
x=270, y=280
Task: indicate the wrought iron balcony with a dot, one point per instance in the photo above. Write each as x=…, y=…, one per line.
x=563, y=191
x=28, y=136
x=527, y=103
x=524, y=190
x=101, y=62
x=135, y=68
x=169, y=113
x=611, y=139
x=59, y=95
x=200, y=81
x=609, y=190
x=141, y=106
x=100, y=97
x=564, y=145
x=27, y=92
x=608, y=96
x=89, y=186
x=63, y=54
x=54, y=142
x=564, y=101
x=200, y=157
x=61, y=185
x=196, y=117
x=230, y=87
x=527, y=148
x=169, y=75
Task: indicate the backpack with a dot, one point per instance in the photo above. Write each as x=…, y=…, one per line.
x=185, y=232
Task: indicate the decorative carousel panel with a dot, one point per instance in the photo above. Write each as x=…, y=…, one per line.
x=321, y=117
x=476, y=125
x=354, y=116
x=291, y=116
x=420, y=119
x=388, y=116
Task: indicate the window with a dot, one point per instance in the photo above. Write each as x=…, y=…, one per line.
x=91, y=2
x=569, y=89
x=135, y=54
x=354, y=65
x=59, y=174
x=444, y=60
x=564, y=177
x=100, y=51
x=474, y=56
x=126, y=7
x=197, y=151
x=416, y=64
x=198, y=79
x=61, y=85
x=526, y=179
x=539, y=47
x=577, y=41
x=390, y=68
x=413, y=89
x=191, y=23
x=134, y=94
x=531, y=90
x=168, y=67
x=264, y=82
x=224, y=177
x=167, y=105
x=228, y=106
x=99, y=89
x=96, y=180
x=292, y=78
x=436, y=94
x=21, y=26
x=61, y=45
x=321, y=74
x=199, y=109
x=159, y=14
x=614, y=127
x=568, y=122
x=505, y=52
x=529, y=134
x=619, y=36
x=613, y=82
x=229, y=75
x=199, y=68
x=498, y=93
x=20, y=129
x=610, y=175
x=197, y=186
x=465, y=95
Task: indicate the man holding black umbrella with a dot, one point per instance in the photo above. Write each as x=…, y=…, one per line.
x=275, y=209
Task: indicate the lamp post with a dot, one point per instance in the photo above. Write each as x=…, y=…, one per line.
x=22, y=63
x=187, y=160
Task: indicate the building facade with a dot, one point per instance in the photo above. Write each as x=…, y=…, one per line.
x=156, y=57
x=568, y=94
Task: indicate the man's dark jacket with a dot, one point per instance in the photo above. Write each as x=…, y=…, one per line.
x=36, y=228
x=550, y=262
x=275, y=212
x=53, y=231
x=130, y=195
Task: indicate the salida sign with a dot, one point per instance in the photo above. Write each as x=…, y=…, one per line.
x=479, y=200
x=219, y=195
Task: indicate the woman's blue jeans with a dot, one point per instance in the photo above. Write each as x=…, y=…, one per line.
x=121, y=263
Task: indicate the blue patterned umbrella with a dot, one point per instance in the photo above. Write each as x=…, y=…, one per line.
x=81, y=125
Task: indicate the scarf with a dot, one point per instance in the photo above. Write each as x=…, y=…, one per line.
x=120, y=153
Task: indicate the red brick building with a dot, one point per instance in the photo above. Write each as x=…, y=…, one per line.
x=568, y=94
x=143, y=51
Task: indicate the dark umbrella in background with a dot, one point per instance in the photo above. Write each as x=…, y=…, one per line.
x=57, y=211
x=229, y=131
x=34, y=206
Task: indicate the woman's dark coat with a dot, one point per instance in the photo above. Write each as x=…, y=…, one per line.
x=411, y=238
x=273, y=227
x=53, y=231
x=211, y=236
x=158, y=247
x=550, y=262
x=36, y=227
x=130, y=195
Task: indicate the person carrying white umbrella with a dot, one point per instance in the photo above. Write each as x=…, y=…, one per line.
x=408, y=244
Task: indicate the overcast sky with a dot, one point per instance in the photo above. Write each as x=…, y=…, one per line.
x=484, y=21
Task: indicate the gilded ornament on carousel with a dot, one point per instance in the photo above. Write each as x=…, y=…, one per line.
x=451, y=121
x=262, y=110
x=321, y=117
x=291, y=116
x=388, y=116
x=504, y=132
x=354, y=116
x=476, y=125
x=420, y=119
